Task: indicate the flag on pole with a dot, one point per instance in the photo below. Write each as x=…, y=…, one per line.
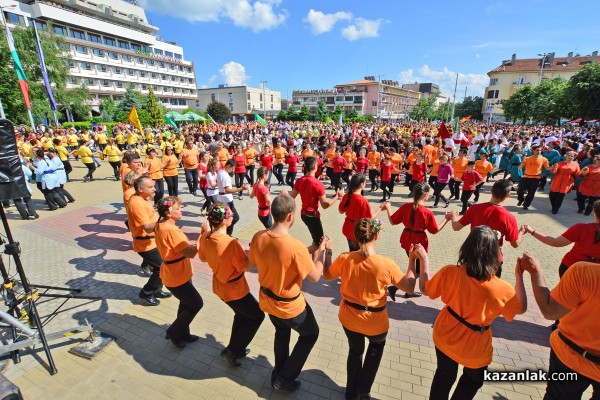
x=260, y=120
x=135, y=120
x=443, y=132
x=212, y=121
x=42, y=60
x=456, y=125
x=340, y=119
x=171, y=122
x=18, y=67
x=328, y=121
x=355, y=129
x=465, y=119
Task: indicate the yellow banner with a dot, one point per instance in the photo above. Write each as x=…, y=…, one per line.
x=134, y=119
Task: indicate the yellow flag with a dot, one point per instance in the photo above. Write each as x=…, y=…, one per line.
x=134, y=119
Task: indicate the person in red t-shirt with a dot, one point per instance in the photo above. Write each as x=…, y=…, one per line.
x=266, y=160
x=312, y=193
x=416, y=219
x=203, y=183
x=362, y=162
x=470, y=180
x=494, y=215
x=240, y=167
x=292, y=167
x=261, y=191
x=387, y=184
x=355, y=206
x=338, y=167
x=419, y=169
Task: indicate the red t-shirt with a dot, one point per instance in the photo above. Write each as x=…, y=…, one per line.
x=260, y=191
x=582, y=236
x=419, y=172
x=361, y=165
x=496, y=217
x=240, y=164
x=357, y=209
x=338, y=164
x=266, y=161
x=386, y=172
x=319, y=167
x=203, y=182
x=470, y=180
x=310, y=190
x=415, y=232
x=292, y=162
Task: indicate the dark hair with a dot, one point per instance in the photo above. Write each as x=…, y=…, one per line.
x=230, y=163
x=310, y=163
x=165, y=205
x=150, y=150
x=419, y=190
x=365, y=230
x=281, y=206
x=56, y=142
x=355, y=182
x=597, y=214
x=211, y=165
x=501, y=189
x=137, y=184
x=133, y=156
x=39, y=153
x=202, y=154
x=261, y=172
x=470, y=163
x=216, y=215
x=479, y=253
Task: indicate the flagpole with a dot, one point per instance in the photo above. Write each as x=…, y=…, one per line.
x=454, y=99
x=55, y=118
x=2, y=115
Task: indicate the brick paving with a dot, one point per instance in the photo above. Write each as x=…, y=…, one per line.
x=86, y=246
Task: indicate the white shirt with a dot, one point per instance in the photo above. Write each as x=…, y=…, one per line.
x=209, y=189
x=224, y=181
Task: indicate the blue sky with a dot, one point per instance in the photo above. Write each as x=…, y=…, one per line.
x=307, y=44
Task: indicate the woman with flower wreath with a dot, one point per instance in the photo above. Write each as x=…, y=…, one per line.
x=417, y=219
x=365, y=276
x=176, y=269
x=229, y=262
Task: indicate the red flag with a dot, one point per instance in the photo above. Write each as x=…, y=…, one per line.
x=355, y=129
x=465, y=119
x=443, y=132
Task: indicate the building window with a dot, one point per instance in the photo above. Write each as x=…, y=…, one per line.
x=135, y=47
x=492, y=94
x=77, y=34
x=41, y=25
x=86, y=65
x=171, y=66
x=94, y=38
x=72, y=80
x=520, y=81
x=213, y=97
x=168, y=54
x=178, y=56
x=230, y=106
x=173, y=78
x=101, y=68
x=249, y=106
x=123, y=44
x=117, y=70
x=110, y=41
x=158, y=51
x=190, y=80
x=142, y=74
x=126, y=57
x=174, y=102
x=130, y=71
x=60, y=30
x=118, y=84
x=139, y=60
x=493, y=81
x=164, y=77
x=260, y=97
x=150, y=62
x=88, y=81
x=358, y=99
x=154, y=75
x=98, y=52
x=161, y=64
x=104, y=82
x=144, y=86
x=348, y=98
x=112, y=55
x=14, y=19
x=81, y=49
x=182, y=102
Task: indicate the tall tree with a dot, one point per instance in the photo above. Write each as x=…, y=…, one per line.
x=304, y=113
x=131, y=97
x=583, y=90
x=219, y=111
x=424, y=109
x=108, y=109
x=321, y=112
x=548, y=101
x=518, y=105
x=292, y=113
x=471, y=105
x=155, y=112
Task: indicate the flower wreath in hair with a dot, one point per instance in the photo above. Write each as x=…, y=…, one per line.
x=167, y=202
x=377, y=225
x=223, y=210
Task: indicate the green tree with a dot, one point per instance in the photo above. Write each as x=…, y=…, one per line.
x=75, y=101
x=131, y=97
x=219, y=111
x=292, y=113
x=352, y=114
x=304, y=113
x=321, y=112
x=518, y=105
x=548, y=100
x=424, y=109
x=471, y=105
x=282, y=116
x=108, y=109
x=443, y=111
x=154, y=111
x=583, y=91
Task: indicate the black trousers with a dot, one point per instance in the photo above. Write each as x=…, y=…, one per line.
x=172, y=185
x=556, y=200
x=267, y=221
x=432, y=181
x=288, y=366
x=190, y=303
x=388, y=188
x=581, y=200
x=91, y=168
x=248, y=318
x=543, y=182
x=559, y=390
x=278, y=172
x=393, y=182
x=236, y=218
x=407, y=179
x=329, y=174
x=437, y=192
x=153, y=260
x=336, y=180
x=346, y=175
x=64, y=193
x=466, y=195
x=250, y=174
x=530, y=186
x=477, y=191
x=159, y=185
x=239, y=179
x=116, y=165
x=68, y=169
x=445, y=375
x=25, y=207
x=207, y=200
x=454, y=186
x=373, y=174
x=362, y=375
x=290, y=178
x=191, y=177
x=314, y=227
x=53, y=197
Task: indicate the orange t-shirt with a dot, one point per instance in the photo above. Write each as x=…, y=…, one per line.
x=169, y=165
x=227, y=259
x=154, y=168
x=411, y=159
x=171, y=241
x=374, y=160
x=483, y=167
x=364, y=281
x=250, y=154
x=127, y=196
x=578, y=291
x=283, y=263
x=435, y=165
x=190, y=158
x=350, y=157
x=280, y=153
x=533, y=166
x=124, y=170
x=330, y=156
x=308, y=153
x=459, y=165
x=477, y=302
x=397, y=159
x=140, y=212
x=223, y=156
x=429, y=152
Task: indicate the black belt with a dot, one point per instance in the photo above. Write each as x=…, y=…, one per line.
x=237, y=278
x=264, y=208
x=587, y=355
x=272, y=295
x=592, y=259
x=476, y=328
x=222, y=193
x=413, y=230
x=309, y=213
x=364, y=308
x=175, y=260
x=143, y=237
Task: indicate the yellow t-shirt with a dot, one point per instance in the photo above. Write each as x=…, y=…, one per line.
x=85, y=154
x=113, y=153
x=102, y=138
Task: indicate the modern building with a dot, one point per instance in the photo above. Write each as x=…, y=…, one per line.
x=384, y=99
x=112, y=44
x=243, y=101
x=512, y=74
x=426, y=89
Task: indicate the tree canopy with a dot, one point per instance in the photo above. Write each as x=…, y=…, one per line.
x=219, y=111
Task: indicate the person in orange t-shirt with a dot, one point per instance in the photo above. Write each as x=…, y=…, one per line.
x=154, y=166
x=131, y=162
x=484, y=168
x=459, y=166
x=374, y=158
x=228, y=261
x=474, y=298
x=190, y=157
x=350, y=157
x=564, y=174
x=170, y=163
x=283, y=263
x=531, y=177
x=176, y=270
x=575, y=345
x=142, y=220
x=279, y=152
x=363, y=314
x=250, y=154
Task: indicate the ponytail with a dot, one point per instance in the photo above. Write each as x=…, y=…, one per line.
x=355, y=182
x=419, y=190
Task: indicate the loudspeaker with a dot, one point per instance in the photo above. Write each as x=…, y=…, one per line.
x=12, y=178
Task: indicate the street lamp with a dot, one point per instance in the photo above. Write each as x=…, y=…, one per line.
x=379, y=95
x=544, y=56
x=264, y=100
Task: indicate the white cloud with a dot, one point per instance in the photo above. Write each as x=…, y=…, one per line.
x=362, y=28
x=475, y=83
x=234, y=74
x=256, y=15
x=320, y=22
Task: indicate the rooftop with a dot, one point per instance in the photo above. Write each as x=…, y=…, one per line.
x=572, y=63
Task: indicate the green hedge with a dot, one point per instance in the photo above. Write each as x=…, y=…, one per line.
x=88, y=124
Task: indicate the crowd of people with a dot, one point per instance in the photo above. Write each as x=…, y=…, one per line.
x=221, y=160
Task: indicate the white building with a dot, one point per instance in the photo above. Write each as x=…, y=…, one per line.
x=112, y=44
x=243, y=101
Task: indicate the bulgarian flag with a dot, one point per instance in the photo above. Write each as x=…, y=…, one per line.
x=260, y=120
x=18, y=67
